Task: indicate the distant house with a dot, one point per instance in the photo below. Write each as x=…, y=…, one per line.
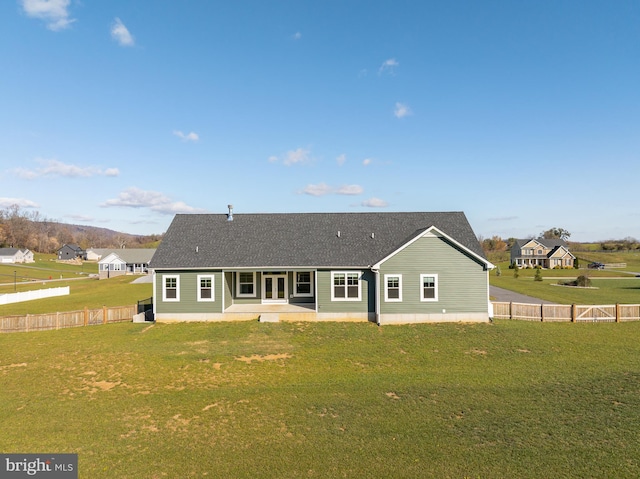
x=15, y=255
x=27, y=256
x=96, y=254
x=380, y=267
x=71, y=251
x=542, y=252
x=125, y=261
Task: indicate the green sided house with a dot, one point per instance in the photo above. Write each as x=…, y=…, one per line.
x=382, y=267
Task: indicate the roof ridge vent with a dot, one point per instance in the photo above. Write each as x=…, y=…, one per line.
x=230, y=214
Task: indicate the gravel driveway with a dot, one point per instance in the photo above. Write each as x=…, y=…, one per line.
x=504, y=295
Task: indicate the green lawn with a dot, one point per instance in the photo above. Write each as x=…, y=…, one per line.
x=610, y=286
x=45, y=267
x=92, y=293
x=285, y=400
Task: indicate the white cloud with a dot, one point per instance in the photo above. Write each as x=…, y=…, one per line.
x=297, y=156
x=341, y=159
x=54, y=12
x=367, y=161
x=186, y=137
x=154, y=200
x=297, y=36
x=120, y=33
x=292, y=157
x=350, y=190
x=374, y=203
x=401, y=110
x=21, y=202
x=58, y=168
x=322, y=189
x=388, y=66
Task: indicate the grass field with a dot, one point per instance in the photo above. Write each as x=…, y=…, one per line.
x=45, y=267
x=286, y=400
x=611, y=286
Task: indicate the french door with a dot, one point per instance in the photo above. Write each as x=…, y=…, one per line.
x=274, y=288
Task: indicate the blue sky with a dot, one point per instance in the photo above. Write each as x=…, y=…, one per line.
x=523, y=114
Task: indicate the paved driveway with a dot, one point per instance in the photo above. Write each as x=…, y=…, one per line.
x=504, y=295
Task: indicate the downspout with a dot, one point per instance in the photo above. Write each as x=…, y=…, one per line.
x=153, y=295
x=376, y=272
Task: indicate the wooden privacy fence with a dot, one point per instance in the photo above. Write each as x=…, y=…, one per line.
x=574, y=313
x=70, y=319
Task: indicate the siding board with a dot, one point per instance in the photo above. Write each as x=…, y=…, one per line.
x=462, y=280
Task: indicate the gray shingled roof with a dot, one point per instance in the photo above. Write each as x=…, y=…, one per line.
x=299, y=239
x=132, y=255
x=548, y=242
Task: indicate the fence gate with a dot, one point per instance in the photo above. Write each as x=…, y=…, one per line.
x=603, y=313
x=96, y=316
x=146, y=306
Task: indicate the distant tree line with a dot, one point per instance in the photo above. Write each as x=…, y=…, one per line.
x=30, y=229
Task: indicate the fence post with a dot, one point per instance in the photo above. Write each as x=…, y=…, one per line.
x=104, y=315
x=57, y=320
x=542, y=312
x=511, y=310
x=26, y=322
x=617, y=313
x=573, y=313
x=86, y=316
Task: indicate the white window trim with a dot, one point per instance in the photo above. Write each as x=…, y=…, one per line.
x=295, y=285
x=213, y=287
x=164, y=288
x=255, y=287
x=386, y=288
x=346, y=298
x=422, y=298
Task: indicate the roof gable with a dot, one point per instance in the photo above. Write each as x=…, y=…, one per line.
x=548, y=243
x=300, y=239
x=435, y=232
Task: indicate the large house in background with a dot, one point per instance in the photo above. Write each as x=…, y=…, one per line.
x=542, y=252
x=123, y=261
x=382, y=267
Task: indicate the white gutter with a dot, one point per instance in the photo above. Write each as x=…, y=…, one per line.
x=376, y=271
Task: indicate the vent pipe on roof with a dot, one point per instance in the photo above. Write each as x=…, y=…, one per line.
x=230, y=215
x=373, y=235
x=338, y=234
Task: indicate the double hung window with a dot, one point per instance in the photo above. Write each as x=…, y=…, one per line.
x=304, y=285
x=346, y=286
x=393, y=287
x=205, y=288
x=171, y=288
x=428, y=287
x=246, y=284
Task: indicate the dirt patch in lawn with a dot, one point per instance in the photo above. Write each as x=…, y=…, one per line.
x=11, y=366
x=267, y=357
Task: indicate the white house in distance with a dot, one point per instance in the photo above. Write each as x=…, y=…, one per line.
x=125, y=261
x=15, y=255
